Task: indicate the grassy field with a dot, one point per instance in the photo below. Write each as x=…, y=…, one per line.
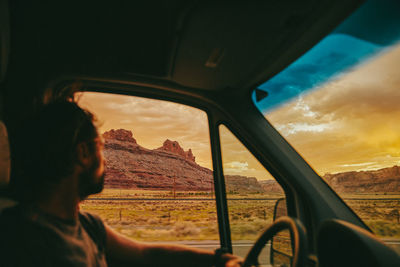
x=188, y=218
x=380, y=212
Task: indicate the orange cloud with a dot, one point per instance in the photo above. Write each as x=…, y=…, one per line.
x=350, y=123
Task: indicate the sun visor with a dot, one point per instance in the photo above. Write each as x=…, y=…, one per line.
x=5, y=164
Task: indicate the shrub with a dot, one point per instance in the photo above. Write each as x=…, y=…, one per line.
x=185, y=229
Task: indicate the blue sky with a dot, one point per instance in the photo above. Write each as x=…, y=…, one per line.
x=332, y=56
x=369, y=30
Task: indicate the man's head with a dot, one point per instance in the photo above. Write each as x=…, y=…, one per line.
x=61, y=141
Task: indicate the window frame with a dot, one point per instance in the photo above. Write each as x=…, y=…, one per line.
x=261, y=139
x=219, y=181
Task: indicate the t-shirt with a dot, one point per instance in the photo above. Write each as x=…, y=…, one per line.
x=30, y=237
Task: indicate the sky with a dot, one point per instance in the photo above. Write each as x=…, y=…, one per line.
x=328, y=59
x=350, y=122
x=338, y=105
x=153, y=121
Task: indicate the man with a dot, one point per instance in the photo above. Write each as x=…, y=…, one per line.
x=60, y=163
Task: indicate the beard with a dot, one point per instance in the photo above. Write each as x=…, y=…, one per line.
x=89, y=182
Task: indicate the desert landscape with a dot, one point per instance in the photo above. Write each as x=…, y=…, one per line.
x=164, y=195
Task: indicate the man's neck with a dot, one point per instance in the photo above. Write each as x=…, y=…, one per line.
x=62, y=201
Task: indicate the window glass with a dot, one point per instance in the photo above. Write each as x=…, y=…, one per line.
x=158, y=179
x=338, y=105
x=252, y=193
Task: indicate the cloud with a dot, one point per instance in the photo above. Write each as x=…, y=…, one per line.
x=304, y=108
x=236, y=165
x=358, y=164
x=239, y=168
x=326, y=61
x=293, y=128
x=347, y=121
x=350, y=121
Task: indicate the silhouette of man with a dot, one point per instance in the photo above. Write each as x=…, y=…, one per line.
x=60, y=163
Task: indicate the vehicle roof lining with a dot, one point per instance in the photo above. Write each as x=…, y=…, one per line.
x=246, y=35
x=148, y=38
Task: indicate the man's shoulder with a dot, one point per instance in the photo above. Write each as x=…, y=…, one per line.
x=94, y=226
x=90, y=217
x=90, y=220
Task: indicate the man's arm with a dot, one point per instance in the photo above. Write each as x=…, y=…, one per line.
x=126, y=250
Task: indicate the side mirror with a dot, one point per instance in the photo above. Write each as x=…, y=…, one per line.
x=280, y=208
x=281, y=253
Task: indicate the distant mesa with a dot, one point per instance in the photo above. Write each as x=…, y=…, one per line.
x=238, y=183
x=382, y=180
x=129, y=165
x=120, y=135
x=174, y=147
x=169, y=167
x=271, y=186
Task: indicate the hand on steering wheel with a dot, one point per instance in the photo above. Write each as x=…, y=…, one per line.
x=298, y=238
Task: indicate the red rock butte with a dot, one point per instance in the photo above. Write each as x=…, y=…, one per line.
x=174, y=147
x=120, y=135
x=129, y=165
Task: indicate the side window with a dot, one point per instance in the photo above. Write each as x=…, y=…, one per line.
x=158, y=178
x=252, y=193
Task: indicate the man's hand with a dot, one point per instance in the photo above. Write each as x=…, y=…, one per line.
x=229, y=260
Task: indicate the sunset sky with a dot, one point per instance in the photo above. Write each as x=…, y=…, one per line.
x=348, y=123
x=154, y=121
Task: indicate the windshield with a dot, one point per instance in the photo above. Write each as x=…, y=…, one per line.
x=338, y=106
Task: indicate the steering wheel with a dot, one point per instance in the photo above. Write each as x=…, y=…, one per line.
x=298, y=237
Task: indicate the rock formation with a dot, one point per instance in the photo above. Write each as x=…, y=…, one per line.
x=120, y=135
x=129, y=165
x=271, y=186
x=174, y=147
x=383, y=180
x=237, y=183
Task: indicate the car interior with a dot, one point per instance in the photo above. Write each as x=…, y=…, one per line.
x=210, y=55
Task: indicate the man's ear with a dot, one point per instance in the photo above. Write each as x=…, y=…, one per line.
x=83, y=154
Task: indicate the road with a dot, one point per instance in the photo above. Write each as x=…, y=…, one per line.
x=243, y=247
x=240, y=248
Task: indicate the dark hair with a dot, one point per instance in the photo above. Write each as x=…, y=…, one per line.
x=50, y=141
